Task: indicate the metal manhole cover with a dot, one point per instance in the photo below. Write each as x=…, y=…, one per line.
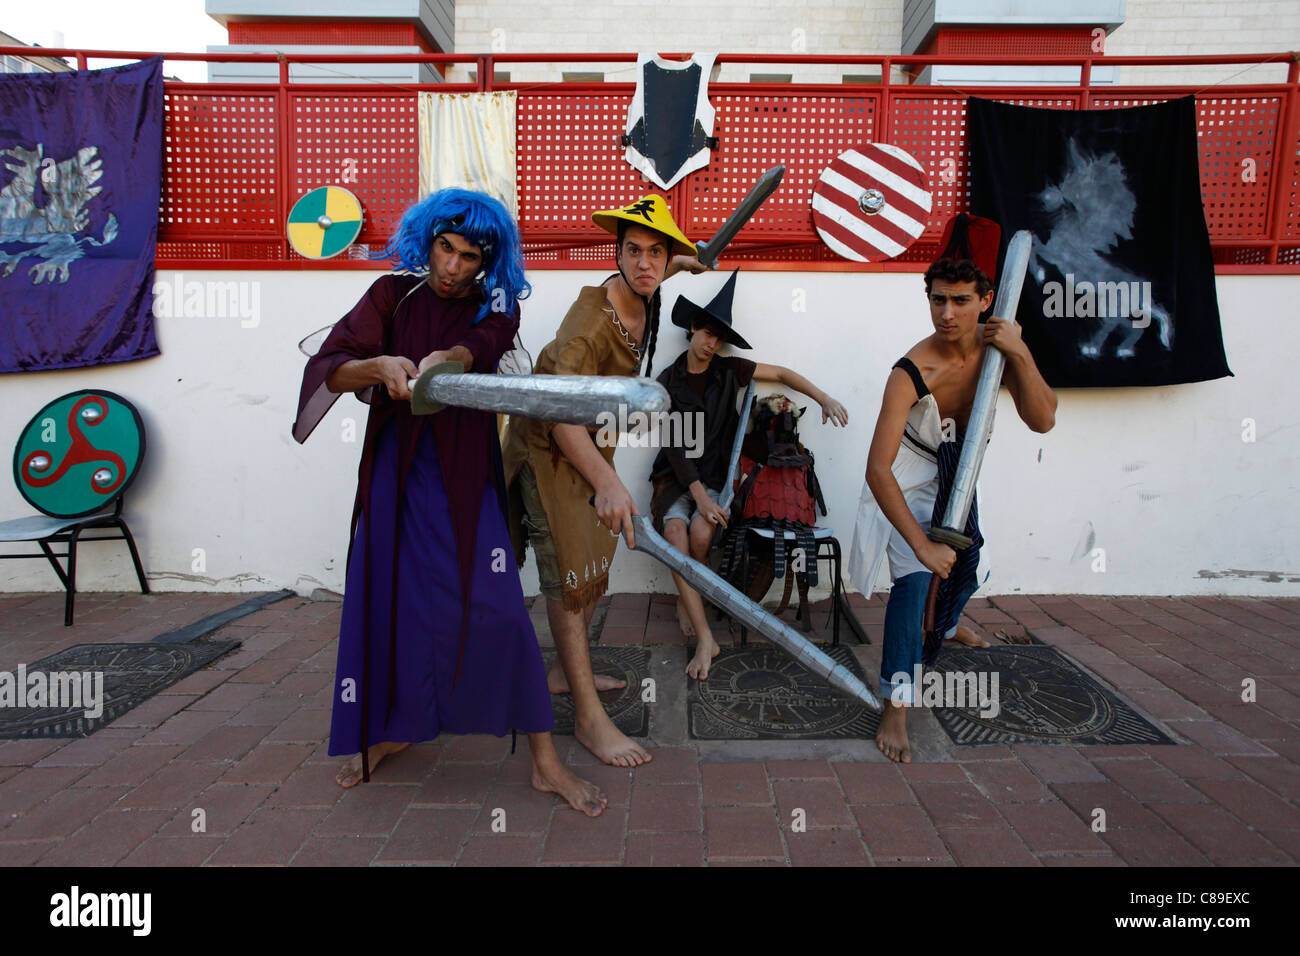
x=760, y=693
x=624, y=706
x=69, y=685
x=1042, y=697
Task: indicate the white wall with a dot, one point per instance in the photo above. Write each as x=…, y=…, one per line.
x=1159, y=477
x=1205, y=27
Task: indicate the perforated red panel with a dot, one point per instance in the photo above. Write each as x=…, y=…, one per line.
x=579, y=257
x=1043, y=41
x=326, y=34
x=198, y=249
x=1229, y=131
x=571, y=164
x=219, y=163
x=1288, y=206
x=1236, y=138
x=223, y=200
x=757, y=132
x=367, y=143
x=932, y=127
x=1240, y=255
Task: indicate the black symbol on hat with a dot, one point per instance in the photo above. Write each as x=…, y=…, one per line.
x=642, y=208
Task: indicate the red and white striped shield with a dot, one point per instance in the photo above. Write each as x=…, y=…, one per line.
x=871, y=203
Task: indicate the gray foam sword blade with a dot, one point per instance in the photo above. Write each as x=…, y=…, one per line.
x=718, y=592
x=571, y=399
x=979, y=426
x=708, y=252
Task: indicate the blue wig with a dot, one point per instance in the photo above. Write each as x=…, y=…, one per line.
x=478, y=219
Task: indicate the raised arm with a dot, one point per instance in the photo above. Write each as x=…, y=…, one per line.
x=832, y=410
x=1035, y=400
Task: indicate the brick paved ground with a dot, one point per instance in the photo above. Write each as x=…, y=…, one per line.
x=244, y=741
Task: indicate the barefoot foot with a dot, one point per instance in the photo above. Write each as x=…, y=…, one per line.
x=891, y=738
x=350, y=774
x=554, y=777
x=968, y=637
x=558, y=683
x=609, y=744
x=705, y=651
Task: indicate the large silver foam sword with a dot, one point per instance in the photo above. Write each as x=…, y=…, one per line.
x=571, y=399
x=718, y=592
x=980, y=424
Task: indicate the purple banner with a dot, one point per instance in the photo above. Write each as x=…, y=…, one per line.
x=80, y=177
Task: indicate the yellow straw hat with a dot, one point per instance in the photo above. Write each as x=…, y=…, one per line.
x=651, y=212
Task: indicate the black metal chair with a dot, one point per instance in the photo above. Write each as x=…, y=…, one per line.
x=72, y=482
x=828, y=549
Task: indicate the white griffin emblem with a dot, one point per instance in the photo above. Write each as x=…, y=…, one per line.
x=52, y=226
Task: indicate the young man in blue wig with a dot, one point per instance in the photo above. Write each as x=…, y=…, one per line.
x=435, y=635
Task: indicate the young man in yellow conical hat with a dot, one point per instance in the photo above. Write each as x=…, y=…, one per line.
x=555, y=472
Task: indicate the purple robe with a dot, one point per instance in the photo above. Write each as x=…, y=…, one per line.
x=435, y=635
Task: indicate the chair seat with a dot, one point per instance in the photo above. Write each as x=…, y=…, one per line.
x=36, y=527
x=818, y=533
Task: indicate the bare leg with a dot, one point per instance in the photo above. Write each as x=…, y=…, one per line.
x=675, y=533
x=683, y=617
x=592, y=726
x=706, y=648
x=550, y=775
x=968, y=637
x=557, y=683
x=891, y=738
x=350, y=775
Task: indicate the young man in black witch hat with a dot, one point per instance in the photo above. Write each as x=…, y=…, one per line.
x=913, y=453
x=700, y=382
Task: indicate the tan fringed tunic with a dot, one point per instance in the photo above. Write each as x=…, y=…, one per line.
x=587, y=343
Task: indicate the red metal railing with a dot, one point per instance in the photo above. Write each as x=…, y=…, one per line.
x=238, y=155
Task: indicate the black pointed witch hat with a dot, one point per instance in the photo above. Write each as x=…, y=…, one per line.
x=717, y=313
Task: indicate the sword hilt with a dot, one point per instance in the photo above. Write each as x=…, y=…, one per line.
x=421, y=404
x=952, y=538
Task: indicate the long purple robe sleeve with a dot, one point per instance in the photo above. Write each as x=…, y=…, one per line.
x=358, y=335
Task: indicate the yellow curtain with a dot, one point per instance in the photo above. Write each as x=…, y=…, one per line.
x=468, y=140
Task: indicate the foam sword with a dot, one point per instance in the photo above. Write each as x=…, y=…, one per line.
x=718, y=592
x=979, y=427
x=571, y=399
x=708, y=252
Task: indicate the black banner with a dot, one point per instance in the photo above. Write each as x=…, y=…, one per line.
x=1120, y=287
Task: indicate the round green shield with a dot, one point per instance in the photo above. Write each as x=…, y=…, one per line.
x=79, y=453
